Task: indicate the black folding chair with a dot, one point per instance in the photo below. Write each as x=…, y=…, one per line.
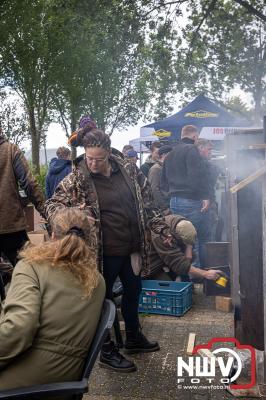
x=75, y=389
x=2, y=289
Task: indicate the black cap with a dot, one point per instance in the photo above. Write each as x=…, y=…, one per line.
x=164, y=150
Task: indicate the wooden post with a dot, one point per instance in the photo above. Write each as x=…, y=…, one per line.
x=191, y=343
x=264, y=251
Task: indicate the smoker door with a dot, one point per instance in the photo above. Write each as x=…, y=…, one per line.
x=250, y=244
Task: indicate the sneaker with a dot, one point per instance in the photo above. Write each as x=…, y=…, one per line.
x=111, y=358
x=138, y=343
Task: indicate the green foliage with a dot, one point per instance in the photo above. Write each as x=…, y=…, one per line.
x=120, y=60
x=13, y=118
x=27, y=56
x=239, y=108
x=229, y=49
x=113, y=66
x=40, y=176
x=66, y=58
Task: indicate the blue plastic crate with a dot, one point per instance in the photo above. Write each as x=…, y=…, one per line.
x=163, y=297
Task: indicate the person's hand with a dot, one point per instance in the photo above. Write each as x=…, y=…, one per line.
x=82, y=206
x=166, y=236
x=213, y=274
x=168, y=240
x=91, y=220
x=205, y=205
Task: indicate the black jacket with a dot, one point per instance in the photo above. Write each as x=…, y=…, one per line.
x=212, y=175
x=184, y=172
x=145, y=168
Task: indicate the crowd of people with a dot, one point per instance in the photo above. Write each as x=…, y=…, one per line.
x=108, y=219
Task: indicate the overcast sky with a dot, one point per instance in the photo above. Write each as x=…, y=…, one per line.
x=56, y=136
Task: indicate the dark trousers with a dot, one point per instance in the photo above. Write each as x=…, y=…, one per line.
x=113, y=267
x=11, y=243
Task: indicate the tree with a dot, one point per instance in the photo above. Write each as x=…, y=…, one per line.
x=229, y=49
x=13, y=118
x=239, y=108
x=78, y=56
x=120, y=60
x=113, y=67
x=126, y=59
x=26, y=60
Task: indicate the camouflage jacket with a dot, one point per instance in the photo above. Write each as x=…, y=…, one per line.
x=78, y=188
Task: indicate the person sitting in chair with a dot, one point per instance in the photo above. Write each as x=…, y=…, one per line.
x=52, y=307
x=172, y=261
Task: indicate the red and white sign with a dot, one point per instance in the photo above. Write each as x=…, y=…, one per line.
x=218, y=132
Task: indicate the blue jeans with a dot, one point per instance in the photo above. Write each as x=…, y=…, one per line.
x=190, y=209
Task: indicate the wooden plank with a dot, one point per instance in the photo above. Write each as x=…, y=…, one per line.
x=248, y=180
x=206, y=353
x=257, y=146
x=191, y=343
x=223, y=303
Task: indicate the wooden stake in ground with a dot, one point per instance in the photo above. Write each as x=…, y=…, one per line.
x=191, y=343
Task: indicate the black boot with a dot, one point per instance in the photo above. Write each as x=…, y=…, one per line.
x=136, y=342
x=111, y=358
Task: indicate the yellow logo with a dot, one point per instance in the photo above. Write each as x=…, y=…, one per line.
x=162, y=133
x=201, y=114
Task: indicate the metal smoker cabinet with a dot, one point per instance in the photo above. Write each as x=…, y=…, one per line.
x=245, y=234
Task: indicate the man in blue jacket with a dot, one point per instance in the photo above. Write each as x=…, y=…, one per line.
x=58, y=169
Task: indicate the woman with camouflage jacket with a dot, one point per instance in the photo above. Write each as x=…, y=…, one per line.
x=117, y=196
